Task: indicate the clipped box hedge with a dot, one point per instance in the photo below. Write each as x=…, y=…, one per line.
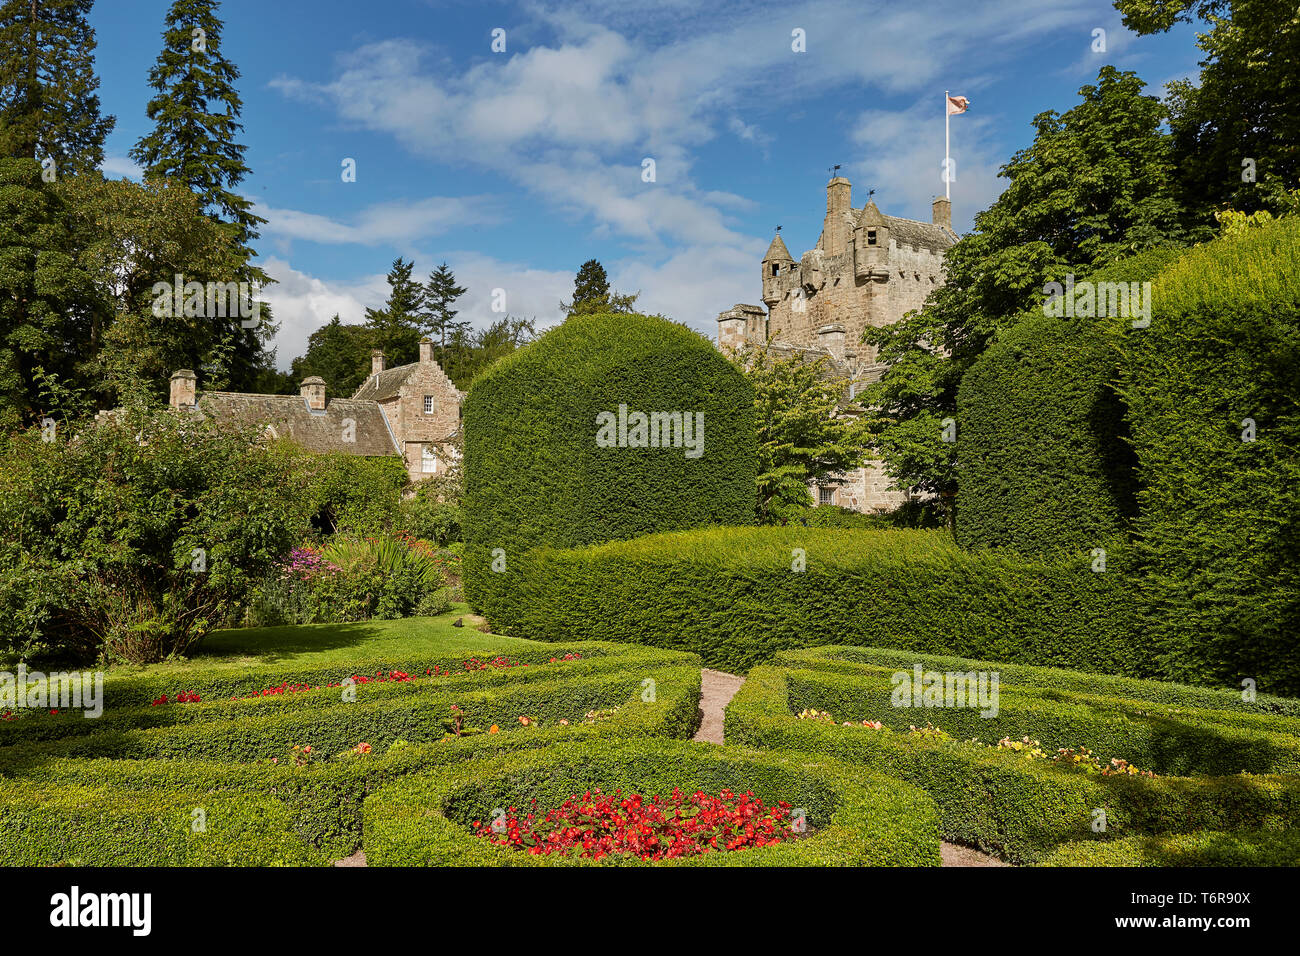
x=1164, y=740
x=72, y=824
x=1203, y=848
x=1001, y=802
x=857, y=819
x=1211, y=390
x=535, y=474
x=322, y=800
x=848, y=658
x=733, y=596
x=606, y=661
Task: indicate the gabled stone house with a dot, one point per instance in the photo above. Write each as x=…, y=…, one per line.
x=409, y=410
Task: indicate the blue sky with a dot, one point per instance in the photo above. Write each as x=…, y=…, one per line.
x=516, y=167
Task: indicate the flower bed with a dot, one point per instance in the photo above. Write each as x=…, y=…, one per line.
x=852, y=818
x=596, y=825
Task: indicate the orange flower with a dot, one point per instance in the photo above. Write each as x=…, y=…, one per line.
x=494, y=729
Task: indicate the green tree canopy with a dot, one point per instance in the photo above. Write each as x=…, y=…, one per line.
x=396, y=327
x=48, y=104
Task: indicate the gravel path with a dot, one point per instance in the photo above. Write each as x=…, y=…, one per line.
x=716, y=690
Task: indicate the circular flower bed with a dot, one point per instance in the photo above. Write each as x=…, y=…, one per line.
x=806, y=810
x=597, y=825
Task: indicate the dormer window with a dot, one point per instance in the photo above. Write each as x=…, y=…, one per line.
x=871, y=237
x=428, y=404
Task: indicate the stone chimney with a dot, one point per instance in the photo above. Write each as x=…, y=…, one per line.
x=831, y=338
x=184, y=385
x=839, y=202
x=313, y=390
x=942, y=215
x=376, y=361
x=426, y=351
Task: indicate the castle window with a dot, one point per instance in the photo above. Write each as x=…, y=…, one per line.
x=776, y=268
x=428, y=460
x=871, y=237
x=428, y=404
x=825, y=495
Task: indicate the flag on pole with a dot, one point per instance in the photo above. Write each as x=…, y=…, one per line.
x=957, y=104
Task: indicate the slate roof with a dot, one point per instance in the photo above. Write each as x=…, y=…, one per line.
x=385, y=385
x=320, y=432
x=919, y=235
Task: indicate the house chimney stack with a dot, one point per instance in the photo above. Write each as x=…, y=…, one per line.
x=426, y=351
x=313, y=390
x=942, y=212
x=376, y=361
x=184, y=384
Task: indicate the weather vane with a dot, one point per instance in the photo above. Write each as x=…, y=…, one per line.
x=835, y=170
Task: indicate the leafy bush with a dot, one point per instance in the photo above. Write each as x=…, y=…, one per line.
x=353, y=579
x=1211, y=392
x=537, y=475
x=350, y=494
x=736, y=596
x=856, y=819
x=131, y=538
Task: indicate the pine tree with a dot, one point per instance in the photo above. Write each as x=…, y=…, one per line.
x=440, y=294
x=396, y=327
x=196, y=116
x=48, y=104
x=590, y=288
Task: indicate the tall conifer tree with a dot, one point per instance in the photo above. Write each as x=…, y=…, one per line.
x=48, y=104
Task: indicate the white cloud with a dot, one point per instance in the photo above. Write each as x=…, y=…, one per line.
x=117, y=167
x=392, y=223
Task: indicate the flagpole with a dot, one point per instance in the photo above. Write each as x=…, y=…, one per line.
x=947, y=158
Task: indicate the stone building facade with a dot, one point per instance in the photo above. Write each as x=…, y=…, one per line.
x=411, y=410
x=867, y=270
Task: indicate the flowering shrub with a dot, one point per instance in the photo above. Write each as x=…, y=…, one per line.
x=184, y=697
x=596, y=825
x=809, y=713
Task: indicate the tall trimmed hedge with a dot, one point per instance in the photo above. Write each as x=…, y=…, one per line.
x=1219, y=532
x=535, y=474
x=1041, y=440
x=736, y=596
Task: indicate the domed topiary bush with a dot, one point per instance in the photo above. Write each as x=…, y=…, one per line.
x=607, y=427
x=1041, y=439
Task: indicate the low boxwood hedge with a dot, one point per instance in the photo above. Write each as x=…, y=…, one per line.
x=847, y=658
x=46, y=824
x=857, y=819
x=1148, y=736
x=1000, y=801
x=419, y=716
x=1203, y=848
x=736, y=596
x=41, y=726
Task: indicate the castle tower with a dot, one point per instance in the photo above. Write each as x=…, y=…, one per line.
x=776, y=263
x=837, y=226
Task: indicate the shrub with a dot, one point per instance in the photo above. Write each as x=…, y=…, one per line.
x=1219, y=528
x=137, y=534
x=1040, y=442
x=735, y=597
x=537, y=475
x=351, y=494
x=856, y=819
x=999, y=801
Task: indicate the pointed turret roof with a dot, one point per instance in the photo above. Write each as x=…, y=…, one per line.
x=777, y=250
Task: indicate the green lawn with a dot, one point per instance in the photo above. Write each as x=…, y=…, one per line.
x=322, y=644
